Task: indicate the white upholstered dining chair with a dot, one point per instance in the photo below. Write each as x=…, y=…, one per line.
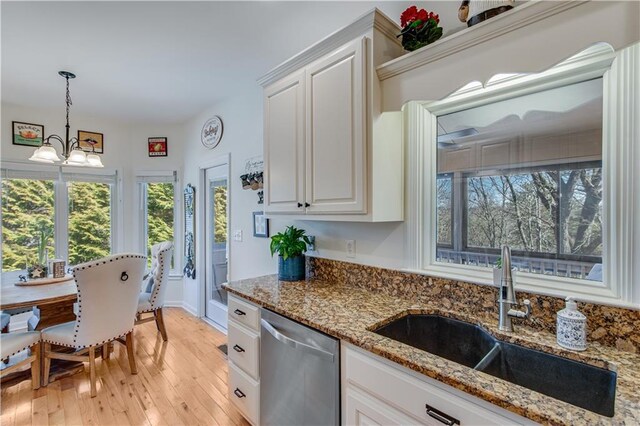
x=13, y=343
x=151, y=299
x=108, y=291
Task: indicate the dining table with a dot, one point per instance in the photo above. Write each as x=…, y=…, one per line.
x=49, y=304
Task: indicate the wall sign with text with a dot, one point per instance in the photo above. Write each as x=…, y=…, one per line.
x=157, y=147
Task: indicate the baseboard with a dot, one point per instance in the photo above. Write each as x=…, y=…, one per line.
x=187, y=307
x=214, y=325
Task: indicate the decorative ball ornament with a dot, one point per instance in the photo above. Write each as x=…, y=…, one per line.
x=211, y=133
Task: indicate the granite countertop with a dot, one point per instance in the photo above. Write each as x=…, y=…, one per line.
x=349, y=313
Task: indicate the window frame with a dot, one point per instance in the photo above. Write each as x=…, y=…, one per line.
x=163, y=176
x=620, y=177
x=61, y=176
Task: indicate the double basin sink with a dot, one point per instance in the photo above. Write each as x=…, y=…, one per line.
x=576, y=383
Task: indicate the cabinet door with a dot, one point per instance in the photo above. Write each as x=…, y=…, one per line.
x=363, y=410
x=284, y=145
x=336, y=132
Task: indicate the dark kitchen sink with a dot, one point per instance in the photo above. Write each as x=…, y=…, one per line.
x=454, y=340
x=580, y=384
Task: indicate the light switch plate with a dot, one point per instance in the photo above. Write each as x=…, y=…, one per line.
x=237, y=235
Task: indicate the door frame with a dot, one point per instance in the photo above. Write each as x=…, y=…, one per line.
x=201, y=223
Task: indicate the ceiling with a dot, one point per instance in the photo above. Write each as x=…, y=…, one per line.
x=158, y=61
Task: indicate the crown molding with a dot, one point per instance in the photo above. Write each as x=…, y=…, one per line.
x=519, y=17
x=372, y=19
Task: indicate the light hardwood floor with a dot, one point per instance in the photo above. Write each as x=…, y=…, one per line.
x=182, y=381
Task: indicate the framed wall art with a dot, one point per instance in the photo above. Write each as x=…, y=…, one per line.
x=158, y=147
x=27, y=134
x=260, y=225
x=91, y=141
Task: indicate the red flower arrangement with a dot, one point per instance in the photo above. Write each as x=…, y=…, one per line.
x=419, y=28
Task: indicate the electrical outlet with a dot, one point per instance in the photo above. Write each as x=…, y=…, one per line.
x=351, y=248
x=237, y=235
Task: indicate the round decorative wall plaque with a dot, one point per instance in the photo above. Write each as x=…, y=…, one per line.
x=211, y=133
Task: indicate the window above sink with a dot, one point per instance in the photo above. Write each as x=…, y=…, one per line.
x=542, y=162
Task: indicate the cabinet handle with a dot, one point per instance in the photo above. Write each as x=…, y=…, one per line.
x=238, y=348
x=307, y=205
x=299, y=205
x=441, y=417
x=239, y=312
x=239, y=393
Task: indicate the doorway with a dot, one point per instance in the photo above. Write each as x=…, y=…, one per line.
x=216, y=243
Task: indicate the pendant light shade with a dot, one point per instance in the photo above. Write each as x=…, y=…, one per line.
x=45, y=154
x=94, y=160
x=77, y=157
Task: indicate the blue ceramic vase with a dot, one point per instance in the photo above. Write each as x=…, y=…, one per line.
x=291, y=269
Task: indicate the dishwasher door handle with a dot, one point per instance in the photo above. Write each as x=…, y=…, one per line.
x=328, y=356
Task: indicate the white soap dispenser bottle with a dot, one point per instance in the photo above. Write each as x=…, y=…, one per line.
x=571, y=327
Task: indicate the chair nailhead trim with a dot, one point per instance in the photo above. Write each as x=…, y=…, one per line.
x=25, y=348
x=79, y=317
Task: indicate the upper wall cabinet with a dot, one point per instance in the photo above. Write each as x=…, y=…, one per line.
x=329, y=153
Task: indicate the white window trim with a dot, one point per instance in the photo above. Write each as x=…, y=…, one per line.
x=621, y=155
x=61, y=196
x=150, y=176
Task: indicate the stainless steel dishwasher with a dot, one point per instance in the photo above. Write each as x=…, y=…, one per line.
x=299, y=374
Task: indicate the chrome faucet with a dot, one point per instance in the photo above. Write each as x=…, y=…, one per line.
x=507, y=295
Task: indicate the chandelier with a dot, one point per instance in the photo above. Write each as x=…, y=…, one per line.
x=73, y=155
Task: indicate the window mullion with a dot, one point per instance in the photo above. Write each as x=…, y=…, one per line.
x=61, y=213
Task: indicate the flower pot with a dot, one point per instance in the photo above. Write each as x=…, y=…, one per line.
x=292, y=269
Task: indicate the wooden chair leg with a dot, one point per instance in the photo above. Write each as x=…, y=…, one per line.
x=160, y=323
x=92, y=370
x=47, y=363
x=131, y=354
x=105, y=351
x=35, y=366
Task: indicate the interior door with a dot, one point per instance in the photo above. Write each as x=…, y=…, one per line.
x=217, y=243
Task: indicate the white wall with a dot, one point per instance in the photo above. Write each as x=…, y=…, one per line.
x=380, y=244
x=125, y=149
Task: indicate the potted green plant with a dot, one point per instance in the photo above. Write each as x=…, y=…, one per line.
x=290, y=246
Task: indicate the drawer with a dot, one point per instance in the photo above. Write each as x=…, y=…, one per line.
x=245, y=313
x=410, y=395
x=244, y=393
x=243, y=348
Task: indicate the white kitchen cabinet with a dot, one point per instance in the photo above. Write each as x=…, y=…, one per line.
x=377, y=391
x=335, y=137
x=363, y=410
x=284, y=145
x=329, y=152
x=243, y=347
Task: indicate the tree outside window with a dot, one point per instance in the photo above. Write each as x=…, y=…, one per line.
x=27, y=215
x=160, y=214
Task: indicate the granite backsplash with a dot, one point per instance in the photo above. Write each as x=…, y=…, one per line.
x=610, y=326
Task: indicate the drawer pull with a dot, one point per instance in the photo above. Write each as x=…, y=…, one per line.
x=238, y=348
x=239, y=312
x=441, y=417
x=241, y=394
